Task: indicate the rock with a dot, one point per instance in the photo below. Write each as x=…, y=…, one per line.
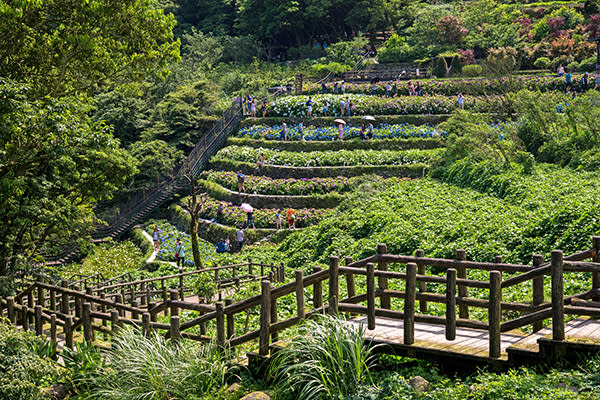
x=419, y=384
x=234, y=387
x=256, y=396
x=56, y=391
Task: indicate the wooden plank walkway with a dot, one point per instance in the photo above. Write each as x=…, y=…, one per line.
x=472, y=344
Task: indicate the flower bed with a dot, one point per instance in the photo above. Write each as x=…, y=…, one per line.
x=320, y=158
x=451, y=87
x=382, y=131
x=170, y=234
x=295, y=106
x=288, y=186
x=263, y=218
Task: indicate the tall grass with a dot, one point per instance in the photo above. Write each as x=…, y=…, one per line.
x=327, y=360
x=140, y=368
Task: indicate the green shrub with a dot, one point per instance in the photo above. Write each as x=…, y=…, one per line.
x=138, y=238
x=588, y=65
x=456, y=66
x=334, y=67
x=440, y=67
x=24, y=370
x=542, y=63
x=472, y=70
x=326, y=360
x=109, y=259
x=153, y=368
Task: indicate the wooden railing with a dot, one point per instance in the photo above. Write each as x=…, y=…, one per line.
x=393, y=284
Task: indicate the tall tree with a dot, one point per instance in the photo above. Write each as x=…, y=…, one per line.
x=61, y=47
x=55, y=164
x=195, y=206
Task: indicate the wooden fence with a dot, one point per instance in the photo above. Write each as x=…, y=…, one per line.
x=92, y=311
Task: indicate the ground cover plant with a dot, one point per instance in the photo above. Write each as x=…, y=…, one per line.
x=297, y=132
x=295, y=106
x=288, y=186
x=263, y=217
x=321, y=158
x=454, y=86
x=169, y=235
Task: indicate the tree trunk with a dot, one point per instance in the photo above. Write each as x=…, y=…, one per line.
x=195, y=244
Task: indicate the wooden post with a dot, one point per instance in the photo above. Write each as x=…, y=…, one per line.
x=146, y=328
x=230, y=320
x=148, y=297
x=250, y=269
x=461, y=272
x=333, y=299
x=10, y=305
x=495, y=313
x=53, y=300
x=174, y=329
x=39, y=326
x=282, y=272
x=181, y=288
x=30, y=306
x=350, y=285
x=53, y=336
x=40, y=293
x=174, y=296
x=383, y=281
x=409, y=303
x=119, y=300
x=274, y=318
x=131, y=294
x=220, y=324
x=370, y=296
x=165, y=296
x=88, y=334
x=25, y=317
x=216, y=275
x=68, y=331
x=317, y=290
x=135, y=314
x=265, y=318
x=64, y=303
x=143, y=293
x=596, y=275
x=422, y=285
x=300, y=294
x=451, y=304
x=538, y=290
x=114, y=321
x=558, y=306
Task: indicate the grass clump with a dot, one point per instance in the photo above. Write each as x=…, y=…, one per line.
x=326, y=360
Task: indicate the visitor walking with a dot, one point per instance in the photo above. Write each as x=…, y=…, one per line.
x=343, y=88
x=261, y=161
x=362, y=132
x=394, y=89
x=461, y=102
x=179, y=253
x=227, y=245
x=370, y=132
x=253, y=108
x=240, y=179
x=301, y=130
x=221, y=246
x=373, y=89
x=309, y=105
x=219, y=214
x=341, y=131
x=585, y=82
x=342, y=107
x=348, y=107
x=263, y=109
x=419, y=89
x=325, y=108
x=560, y=71
x=323, y=88
x=283, y=133
x=568, y=80
x=278, y=220
x=335, y=88
x=239, y=237
x=156, y=238
x=291, y=217
x=250, y=220
x=388, y=89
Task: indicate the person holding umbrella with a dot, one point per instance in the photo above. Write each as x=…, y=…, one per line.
x=370, y=119
x=247, y=208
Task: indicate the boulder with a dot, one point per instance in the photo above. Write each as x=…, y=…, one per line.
x=256, y=396
x=419, y=384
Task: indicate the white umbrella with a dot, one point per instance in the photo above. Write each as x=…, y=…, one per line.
x=246, y=207
x=339, y=121
x=369, y=118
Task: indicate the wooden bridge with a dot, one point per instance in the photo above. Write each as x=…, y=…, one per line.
x=431, y=308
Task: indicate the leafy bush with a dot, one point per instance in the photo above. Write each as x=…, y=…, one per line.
x=542, y=63
x=333, y=67
x=394, y=50
x=318, y=158
x=23, y=371
x=440, y=67
x=109, y=259
x=456, y=66
x=472, y=70
x=326, y=360
x=140, y=367
x=382, y=131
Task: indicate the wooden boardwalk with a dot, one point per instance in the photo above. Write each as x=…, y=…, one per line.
x=472, y=344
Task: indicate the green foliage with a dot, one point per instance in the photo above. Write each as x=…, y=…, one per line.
x=56, y=164
x=84, y=365
x=327, y=359
x=472, y=70
x=205, y=287
x=346, y=52
x=501, y=60
x=138, y=367
x=110, y=259
x=440, y=68
x=394, y=50
x=456, y=65
x=334, y=67
x=23, y=371
x=154, y=158
x=542, y=63
x=60, y=47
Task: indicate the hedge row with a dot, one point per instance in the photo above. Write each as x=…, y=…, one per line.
x=415, y=119
x=279, y=171
x=373, y=144
x=212, y=232
x=218, y=192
